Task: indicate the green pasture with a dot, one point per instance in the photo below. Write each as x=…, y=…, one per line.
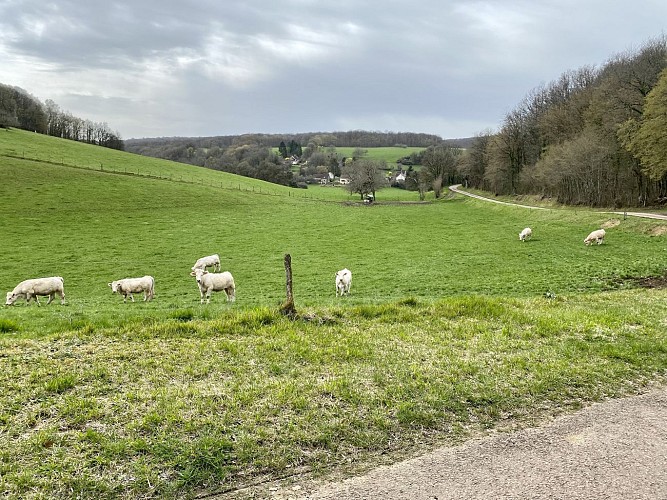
x=453, y=325
x=387, y=154
x=92, y=227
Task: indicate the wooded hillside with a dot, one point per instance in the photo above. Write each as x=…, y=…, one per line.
x=20, y=109
x=591, y=137
x=252, y=155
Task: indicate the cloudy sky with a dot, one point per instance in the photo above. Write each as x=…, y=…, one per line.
x=218, y=67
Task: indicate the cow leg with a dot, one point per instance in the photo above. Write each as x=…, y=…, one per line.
x=124, y=298
x=62, y=297
x=51, y=295
x=208, y=297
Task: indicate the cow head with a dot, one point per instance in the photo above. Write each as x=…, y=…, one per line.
x=11, y=298
x=198, y=273
x=114, y=286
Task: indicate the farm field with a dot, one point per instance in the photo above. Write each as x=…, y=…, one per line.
x=453, y=326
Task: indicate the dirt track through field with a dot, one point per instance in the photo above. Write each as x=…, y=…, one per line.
x=457, y=189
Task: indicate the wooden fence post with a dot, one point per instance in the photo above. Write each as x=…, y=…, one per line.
x=288, y=308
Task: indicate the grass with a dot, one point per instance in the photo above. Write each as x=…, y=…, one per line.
x=453, y=325
x=175, y=408
x=387, y=154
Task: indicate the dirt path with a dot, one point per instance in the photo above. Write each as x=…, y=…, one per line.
x=457, y=189
x=611, y=450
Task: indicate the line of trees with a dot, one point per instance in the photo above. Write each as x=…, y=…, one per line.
x=354, y=138
x=22, y=110
x=595, y=136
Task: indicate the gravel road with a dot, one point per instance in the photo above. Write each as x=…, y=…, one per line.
x=456, y=188
x=611, y=450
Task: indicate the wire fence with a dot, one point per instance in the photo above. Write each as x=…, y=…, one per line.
x=235, y=186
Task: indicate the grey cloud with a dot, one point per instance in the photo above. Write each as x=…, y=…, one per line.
x=208, y=67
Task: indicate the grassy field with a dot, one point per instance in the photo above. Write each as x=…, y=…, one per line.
x=388, y=154
x=453, y=325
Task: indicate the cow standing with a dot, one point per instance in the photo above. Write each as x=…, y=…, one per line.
x=343, y=281
x=127, y=286
x=35, y=287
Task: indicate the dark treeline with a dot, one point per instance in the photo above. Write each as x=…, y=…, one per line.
x=353, y=138
x=22, y=110
x=576, y=140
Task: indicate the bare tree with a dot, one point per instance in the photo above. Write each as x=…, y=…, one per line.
x=439, y=167
x=366, y=176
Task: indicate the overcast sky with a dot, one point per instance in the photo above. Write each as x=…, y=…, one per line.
x=453, y=68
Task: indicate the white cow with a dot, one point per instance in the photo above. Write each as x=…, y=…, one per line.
x=128, y=286
x=343, y=281
x=208, y=261
x=32, y=288
x=214, y=282
x=526, y=234
x=597, y=235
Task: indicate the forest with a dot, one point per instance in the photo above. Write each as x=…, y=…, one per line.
x=594, y=137
x=20, y=109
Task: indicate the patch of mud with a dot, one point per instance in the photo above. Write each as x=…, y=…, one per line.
x=642, y=282
x=611, y=223
x=658, y=231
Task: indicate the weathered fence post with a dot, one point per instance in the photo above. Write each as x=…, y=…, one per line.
x=288, y=308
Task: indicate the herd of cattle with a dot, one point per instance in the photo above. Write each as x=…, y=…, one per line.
x=206, y=281
x=596, y=236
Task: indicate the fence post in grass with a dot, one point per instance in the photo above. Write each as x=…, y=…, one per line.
x=288, y=308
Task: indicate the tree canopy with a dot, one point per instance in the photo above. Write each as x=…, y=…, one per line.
x=595, y=136
x=646, y=138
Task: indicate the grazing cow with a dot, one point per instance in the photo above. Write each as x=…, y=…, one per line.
x=208, y=261
x=597, y=235
x=526, y=234
x=343, y=281
x=128, y=286
x=33, y=288
x=214, y=282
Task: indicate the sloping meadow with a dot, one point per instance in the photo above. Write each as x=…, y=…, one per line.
x=453, y=326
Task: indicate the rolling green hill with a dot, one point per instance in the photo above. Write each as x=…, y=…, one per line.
x=93, y=224
x=447, y=332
